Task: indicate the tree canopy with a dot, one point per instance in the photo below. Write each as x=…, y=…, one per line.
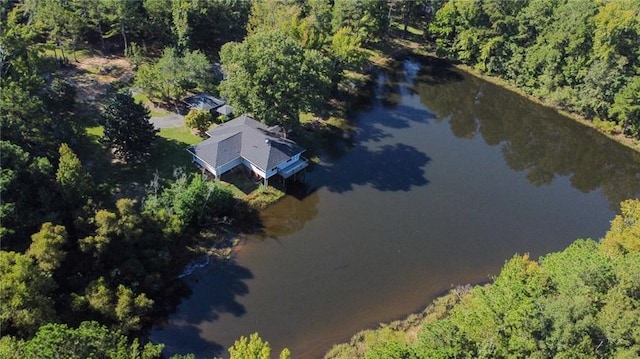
x=254, y=347
x=578, y=55
x=169, y=79
x=271, y=76
x=88, y=340
x=76, y=248
x=199, y=120
x=127, y=128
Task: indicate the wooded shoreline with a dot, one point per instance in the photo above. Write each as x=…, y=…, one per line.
x=401, y=48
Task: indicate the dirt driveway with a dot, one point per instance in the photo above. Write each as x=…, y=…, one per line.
x=171, y=120
x=93, y=75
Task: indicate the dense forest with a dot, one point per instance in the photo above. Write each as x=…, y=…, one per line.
x=582, y=56
x=93, y=234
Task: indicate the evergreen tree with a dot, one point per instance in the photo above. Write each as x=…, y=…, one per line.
x=255, y=348
x=73, y=180
x=25, y=298
x=47, y=246
x=127, y=128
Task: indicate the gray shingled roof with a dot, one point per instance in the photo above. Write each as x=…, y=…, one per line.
x=225, y=110
x=248, y=138
x=203, y=101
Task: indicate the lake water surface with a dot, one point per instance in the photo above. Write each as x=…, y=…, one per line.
x=445, y=178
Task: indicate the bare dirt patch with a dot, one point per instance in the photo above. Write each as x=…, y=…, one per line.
x=94, y=76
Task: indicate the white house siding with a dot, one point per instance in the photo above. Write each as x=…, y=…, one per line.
x=229, y=165
x=293, y=168
x=286, y=164
x=254, y=168
x=205, y=165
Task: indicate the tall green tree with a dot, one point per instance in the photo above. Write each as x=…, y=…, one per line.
x=124, y=18
x=193, y=200
x=159, y=19
x=74, y=181
x=130, y=308
x=626, y=107
x=60, y=98
x=346, y=50
x=181, y=11
x=368, y=18
x=218, y=22
x=617, y=32
x=169, y=79
x=47, y=246
x=254, y=347
x=624, y=235
x=25, y=298
x=199, y=120
x=25, y=192
x=272, y=77
x=127, y=129
x=118, y=306
x=271, y=15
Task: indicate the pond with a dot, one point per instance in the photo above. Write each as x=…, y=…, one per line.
x=444, y=178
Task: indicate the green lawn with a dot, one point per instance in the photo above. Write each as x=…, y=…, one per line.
x=180, y=134
x=410, y=29
x=79, y=54
x=155, y=111
x=95, y=131
x=168, y=153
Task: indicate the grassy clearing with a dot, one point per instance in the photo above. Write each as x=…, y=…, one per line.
x=95, y=131
x=264, y=196
x=410, y=29
x=180, y=134
x=71, y=55
x=168, y=153
x=141, y=98
x=251, y=190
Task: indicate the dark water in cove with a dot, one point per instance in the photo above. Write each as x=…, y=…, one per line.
x=446, y=177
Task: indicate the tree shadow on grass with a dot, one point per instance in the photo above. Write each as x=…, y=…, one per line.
x=130, y=179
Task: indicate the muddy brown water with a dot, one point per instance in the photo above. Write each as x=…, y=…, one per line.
x=445, y=178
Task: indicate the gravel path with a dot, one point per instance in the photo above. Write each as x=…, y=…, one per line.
x=172, y=120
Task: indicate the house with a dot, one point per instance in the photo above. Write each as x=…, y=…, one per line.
x=247, y=142
x=206, y=102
